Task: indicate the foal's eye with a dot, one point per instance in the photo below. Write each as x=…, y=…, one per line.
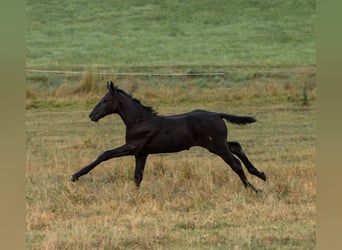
x=107, y=100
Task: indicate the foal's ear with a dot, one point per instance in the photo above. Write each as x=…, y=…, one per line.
x=111, y=88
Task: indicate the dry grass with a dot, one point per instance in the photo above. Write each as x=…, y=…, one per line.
x=188, y=200
x=254, y=92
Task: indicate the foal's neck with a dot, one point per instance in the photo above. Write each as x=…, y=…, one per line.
x=131, y=112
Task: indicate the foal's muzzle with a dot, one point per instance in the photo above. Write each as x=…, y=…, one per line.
x=93, y=117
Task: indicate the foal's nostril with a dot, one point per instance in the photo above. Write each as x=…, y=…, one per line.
x=91, y=116
x=94, y=117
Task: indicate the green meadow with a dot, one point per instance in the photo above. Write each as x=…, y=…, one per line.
x=69, y=34
x=265, y=54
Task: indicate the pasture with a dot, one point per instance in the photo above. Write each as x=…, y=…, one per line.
x=187, y=200
x=149, y=33
x=191, y=199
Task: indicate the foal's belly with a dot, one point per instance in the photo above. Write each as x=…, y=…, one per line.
x=170, y=140
x=170, y=147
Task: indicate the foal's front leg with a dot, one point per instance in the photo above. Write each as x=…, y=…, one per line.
x=140, y=161
x=124, y=150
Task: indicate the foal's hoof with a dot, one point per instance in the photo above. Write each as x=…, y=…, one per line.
x=73, y=178
x=258, y=191
x=137, y=184
x=263, y=176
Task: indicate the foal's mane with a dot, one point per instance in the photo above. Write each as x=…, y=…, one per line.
x=147, y=108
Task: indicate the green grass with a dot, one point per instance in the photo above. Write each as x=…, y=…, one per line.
x=64, y=34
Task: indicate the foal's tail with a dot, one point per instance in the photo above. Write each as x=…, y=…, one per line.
x=237, y=119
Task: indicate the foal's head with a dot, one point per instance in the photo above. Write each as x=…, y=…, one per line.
x=107, y=105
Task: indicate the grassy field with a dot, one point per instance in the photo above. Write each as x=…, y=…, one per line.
x=118, y=34
x=188, y=200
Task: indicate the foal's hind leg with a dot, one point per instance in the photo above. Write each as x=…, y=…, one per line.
x=223, y=151
x=236, y=149
x=242, y=175
x=236, y=166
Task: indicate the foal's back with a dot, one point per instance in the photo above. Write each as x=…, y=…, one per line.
x=197, y=124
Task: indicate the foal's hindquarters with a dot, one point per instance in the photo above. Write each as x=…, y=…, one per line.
x=214, y=138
